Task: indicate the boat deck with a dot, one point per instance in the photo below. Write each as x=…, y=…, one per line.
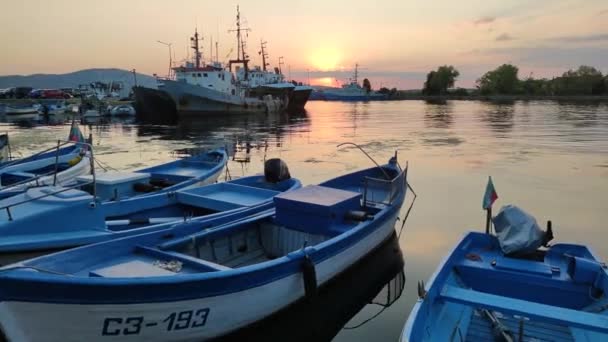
x=480, y=329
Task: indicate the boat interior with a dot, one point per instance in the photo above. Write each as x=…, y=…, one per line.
x=19, y=173
x=561, y=296
x=113, y=186
x=303, y=218
x=200, y=201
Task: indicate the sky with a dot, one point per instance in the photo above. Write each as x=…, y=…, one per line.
x=394, y=42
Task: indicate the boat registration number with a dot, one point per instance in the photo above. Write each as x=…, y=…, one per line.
x=189, y=319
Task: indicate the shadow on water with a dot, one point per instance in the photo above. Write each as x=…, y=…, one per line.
x=499, y=117
x=439, y=114
x=579, y=115
x=236, y=131
x=378, y=279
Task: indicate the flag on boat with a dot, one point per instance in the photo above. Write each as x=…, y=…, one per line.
x=490, y=196
x=75, y=133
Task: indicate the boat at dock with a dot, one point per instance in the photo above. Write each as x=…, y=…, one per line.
x=352, y=91
x=15, y=113
x=57, y=169
x=200, y=281
x=53, y=218
x=489, y=290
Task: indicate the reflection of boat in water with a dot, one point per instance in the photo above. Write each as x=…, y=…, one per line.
x=352, y=91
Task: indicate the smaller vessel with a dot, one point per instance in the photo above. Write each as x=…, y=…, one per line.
x=58, y=169
x=122, y=110
x=53, y=108
x=9, y=160
x=201, y=281
x=55, y=218
x=352, y=91
x=14, y=113
x=501, y=288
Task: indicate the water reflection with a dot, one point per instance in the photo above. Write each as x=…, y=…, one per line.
x=499, y=117
x=377, y=280
x=439, y=115
x=579, y=115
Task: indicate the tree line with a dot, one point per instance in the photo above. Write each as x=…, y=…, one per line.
x=504, y=80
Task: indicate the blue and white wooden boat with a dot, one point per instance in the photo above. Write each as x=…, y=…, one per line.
x=58, y=169
x=479, y=293
x=193, y=283
x=52, y=218
x=8, y=161
x=199, y=169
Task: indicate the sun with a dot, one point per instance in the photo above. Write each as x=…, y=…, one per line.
x=325, y=59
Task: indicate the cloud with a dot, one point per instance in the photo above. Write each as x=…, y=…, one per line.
x=602, y=12
x=484, y=20
x=504, y=37
x=581, y=39
x=559, y=57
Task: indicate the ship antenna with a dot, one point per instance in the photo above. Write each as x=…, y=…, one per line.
x=281, y=63
x=241, y=56
x=264, y=55
x=195, y=46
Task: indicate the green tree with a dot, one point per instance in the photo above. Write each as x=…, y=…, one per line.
x=438, y=81
x=585, y=80
x=502, y=80
x=367, y=85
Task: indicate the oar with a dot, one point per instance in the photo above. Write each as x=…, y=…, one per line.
x=151, y=220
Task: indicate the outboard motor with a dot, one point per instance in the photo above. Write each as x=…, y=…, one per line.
x=276, y=170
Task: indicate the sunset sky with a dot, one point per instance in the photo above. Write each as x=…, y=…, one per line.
x=396, y=42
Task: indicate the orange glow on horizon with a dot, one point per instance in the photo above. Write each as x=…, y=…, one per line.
x=324, y=81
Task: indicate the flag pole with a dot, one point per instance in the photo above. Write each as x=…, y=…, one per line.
x=488, y=219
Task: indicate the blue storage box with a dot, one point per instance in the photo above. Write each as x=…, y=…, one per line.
x=112, y=186
x=315, y=209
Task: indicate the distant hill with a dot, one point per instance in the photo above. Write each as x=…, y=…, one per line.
x=73, y=79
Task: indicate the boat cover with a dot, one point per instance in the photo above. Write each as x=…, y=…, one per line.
x=517, y=231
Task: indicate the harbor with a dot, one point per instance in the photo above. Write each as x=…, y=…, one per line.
x=521, y=137
x=412, y=172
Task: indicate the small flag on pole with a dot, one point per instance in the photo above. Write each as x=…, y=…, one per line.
x=75, y=133
x=490, y=196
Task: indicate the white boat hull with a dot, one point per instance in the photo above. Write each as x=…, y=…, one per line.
x=82, y=167
x=190, y=320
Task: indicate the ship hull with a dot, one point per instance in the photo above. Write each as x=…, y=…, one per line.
x=298, y=98
x=195, y=100
x=154, y=106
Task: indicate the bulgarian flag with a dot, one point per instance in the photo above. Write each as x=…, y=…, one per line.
x=75, y=133
x=490, y=196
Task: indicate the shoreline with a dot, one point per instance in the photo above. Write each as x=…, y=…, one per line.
x=502, y=98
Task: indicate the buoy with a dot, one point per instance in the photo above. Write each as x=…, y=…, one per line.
x=310, y=277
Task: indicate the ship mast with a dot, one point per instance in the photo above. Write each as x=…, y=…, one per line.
x=241, y=56
x=197, y=53
x=264, y=55
x=356, y=75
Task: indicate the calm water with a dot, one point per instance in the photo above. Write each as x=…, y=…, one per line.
x=549, y=158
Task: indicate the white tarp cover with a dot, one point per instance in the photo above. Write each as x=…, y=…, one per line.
x=517, y=231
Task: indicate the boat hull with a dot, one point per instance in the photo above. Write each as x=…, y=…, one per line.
x=154, y=106
x=196, y=100
x=208, y=317
x=299, y=98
